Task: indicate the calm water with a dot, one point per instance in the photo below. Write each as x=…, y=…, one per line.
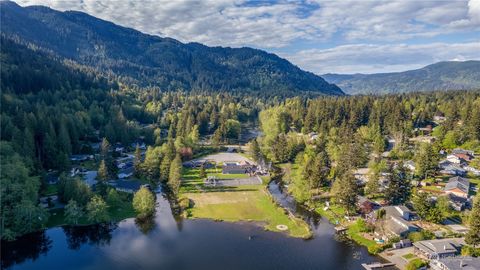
x=166, y=243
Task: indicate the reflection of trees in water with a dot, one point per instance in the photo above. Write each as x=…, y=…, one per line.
x=146, y=224
x=26, y=247
x=99, y=234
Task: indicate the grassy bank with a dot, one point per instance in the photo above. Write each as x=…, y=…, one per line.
x=244, y=203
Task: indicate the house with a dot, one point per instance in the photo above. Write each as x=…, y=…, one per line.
x=454, y=159
x=230, y=167
x=126, y=172
x=129, y=186
x=410, y=165
x=458, y=203
x=458, y=186
x=438, y=248
x=453, y=170
x=472, y=170
x=459, y=151
x=366, y=206
x=456, y=263
x=80, y=158
x=361, y=175
x=397, y=221
x=439, y=119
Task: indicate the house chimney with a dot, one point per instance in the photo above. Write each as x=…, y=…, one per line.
x=461, y=264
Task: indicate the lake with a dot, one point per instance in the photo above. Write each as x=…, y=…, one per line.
x=169, y=243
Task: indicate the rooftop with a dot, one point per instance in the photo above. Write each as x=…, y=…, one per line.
x=440, y=246
x=458, y=182
x=461, y=263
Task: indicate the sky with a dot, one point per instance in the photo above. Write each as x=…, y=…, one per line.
x=344, y=36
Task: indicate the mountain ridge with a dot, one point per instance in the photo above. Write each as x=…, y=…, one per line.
x=444, y=75
x=148, y=60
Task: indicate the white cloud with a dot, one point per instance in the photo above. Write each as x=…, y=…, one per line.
x=372, y=58
x=266, y=25
x=283, y=25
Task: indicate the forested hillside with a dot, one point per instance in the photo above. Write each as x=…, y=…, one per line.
x=146, y=60
x=439, y=76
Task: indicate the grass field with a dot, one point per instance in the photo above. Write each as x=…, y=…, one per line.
x=245, y=203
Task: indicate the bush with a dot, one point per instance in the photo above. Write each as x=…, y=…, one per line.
x=185, y=203
x=415, y=264
x=470, y=251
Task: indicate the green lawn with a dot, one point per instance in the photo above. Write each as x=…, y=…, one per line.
x=355, y=233
x=334, y=213
x=408, y=256
x=50, y=190
x=245, y=203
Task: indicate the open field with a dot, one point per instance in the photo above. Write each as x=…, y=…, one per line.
x=237, y=203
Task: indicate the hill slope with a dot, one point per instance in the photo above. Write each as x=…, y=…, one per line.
x=439, y=76
x=151, y=60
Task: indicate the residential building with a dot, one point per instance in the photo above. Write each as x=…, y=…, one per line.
x=438, y=248
x=454, y=159
x=458, y=186
x=126, y=172
x=397, y=221
x=458, y=203
x=129, y=186
x=453, y=170
x=410, y=165
x=456, y=263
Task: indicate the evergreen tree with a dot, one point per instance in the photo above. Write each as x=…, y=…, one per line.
x=102, y=173
x=473, y=235
x=426, y=160
x=255, y=150
x=398, y=189
x=175, y=175
x=137, y=162
x=73, y=212
x=345, y=191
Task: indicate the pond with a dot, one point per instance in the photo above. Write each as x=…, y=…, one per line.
x=170, y=243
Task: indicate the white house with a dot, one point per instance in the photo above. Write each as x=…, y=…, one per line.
x=454, y=159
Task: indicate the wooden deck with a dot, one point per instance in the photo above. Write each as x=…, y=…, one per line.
x=373, y=266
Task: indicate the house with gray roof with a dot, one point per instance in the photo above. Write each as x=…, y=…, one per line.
x=438, y=248
x=458, y=186
x=456, y=263
x=398, y=221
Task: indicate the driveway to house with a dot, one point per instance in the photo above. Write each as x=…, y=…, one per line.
x=223, y=157
x=396, y=256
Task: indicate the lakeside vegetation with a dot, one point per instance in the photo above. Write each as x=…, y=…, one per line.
x=250, y=203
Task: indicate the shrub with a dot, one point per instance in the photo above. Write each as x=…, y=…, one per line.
x=415, y=264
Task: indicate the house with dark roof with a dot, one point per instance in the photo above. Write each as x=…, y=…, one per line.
x=438, y=248
x=129, y=186
x=456, y=263
x=458, y=186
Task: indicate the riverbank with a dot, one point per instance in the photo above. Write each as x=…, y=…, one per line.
x=250, y=203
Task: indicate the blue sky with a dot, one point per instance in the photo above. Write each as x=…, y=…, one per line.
x=347, y=36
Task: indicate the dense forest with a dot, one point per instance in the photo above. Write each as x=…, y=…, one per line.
x=53, y=108
x=147, y=60
x=328, y=138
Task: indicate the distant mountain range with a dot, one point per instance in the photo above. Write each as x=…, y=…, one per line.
x=439, y=76
x=147, y=60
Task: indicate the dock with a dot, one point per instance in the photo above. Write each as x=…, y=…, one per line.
x=340, y=229
x=377, y=265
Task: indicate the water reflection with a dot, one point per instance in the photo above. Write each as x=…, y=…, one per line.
x=146, y=224
x=30, y=246
x=167, y=242
x=99, y=235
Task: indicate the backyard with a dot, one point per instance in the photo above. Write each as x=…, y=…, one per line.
x=250, y=202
